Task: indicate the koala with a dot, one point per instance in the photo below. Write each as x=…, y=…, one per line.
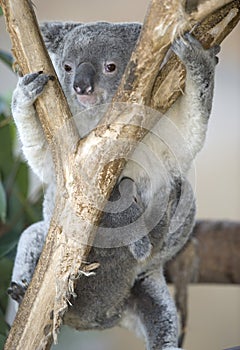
x=151, y=211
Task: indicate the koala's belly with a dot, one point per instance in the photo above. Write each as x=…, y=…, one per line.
x=99, y=303
x=93, y=315
x=101, y=298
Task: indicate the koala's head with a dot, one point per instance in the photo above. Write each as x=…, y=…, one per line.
x=90, y=59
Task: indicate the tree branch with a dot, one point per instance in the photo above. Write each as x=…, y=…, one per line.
x=210, y=29
x=53, y=283
x=210, y=256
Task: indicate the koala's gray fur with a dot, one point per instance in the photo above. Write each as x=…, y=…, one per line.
x=128, y=288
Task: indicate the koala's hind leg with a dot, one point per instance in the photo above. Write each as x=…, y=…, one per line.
x=152, y=311
x=29, y=249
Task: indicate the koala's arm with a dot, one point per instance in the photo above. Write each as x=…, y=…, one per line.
x=151, y=313
x=179, y=135
x=34, y=144
x=172, y=146
x=191, y=111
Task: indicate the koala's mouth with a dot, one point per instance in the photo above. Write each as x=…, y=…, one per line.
x=87, y=101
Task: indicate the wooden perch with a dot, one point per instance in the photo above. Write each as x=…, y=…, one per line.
x=210, y=256
x=214, y=257
x=46, y=299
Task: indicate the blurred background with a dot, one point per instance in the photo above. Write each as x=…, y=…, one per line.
x=214, y=320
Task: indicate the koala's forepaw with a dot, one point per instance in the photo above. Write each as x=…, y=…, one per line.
x=17, y=291
x=214, y=51
x=193, y=55
x=30, y=86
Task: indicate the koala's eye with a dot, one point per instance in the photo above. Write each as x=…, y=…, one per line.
x=110, y=67
x=67, y=67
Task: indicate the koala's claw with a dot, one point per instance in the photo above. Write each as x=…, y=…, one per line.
x=193, y=55
x=29, y=78
x=16, y=291
x=186, y=47
x=190, y=39
x=32, y=85
x=214, y=51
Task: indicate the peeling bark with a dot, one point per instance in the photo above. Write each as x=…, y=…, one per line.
x=46, y=300
x=210, y=31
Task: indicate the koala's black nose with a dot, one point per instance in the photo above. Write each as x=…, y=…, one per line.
x=84, y=79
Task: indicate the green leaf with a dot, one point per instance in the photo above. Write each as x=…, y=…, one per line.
x=7, y=248
x=2, y=341
x=6, y=147
x=22, y=178
x=4, y=107
x=12, y=132
x=7, y=58
x=6, y=266
x=4, y=328
x=1, y=11
x=8, y=242
x=3, y=203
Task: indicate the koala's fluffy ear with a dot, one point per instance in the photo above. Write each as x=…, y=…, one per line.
x=54, y=32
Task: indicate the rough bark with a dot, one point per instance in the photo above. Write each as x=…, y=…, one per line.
x=210, y=30
x=79, y=200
